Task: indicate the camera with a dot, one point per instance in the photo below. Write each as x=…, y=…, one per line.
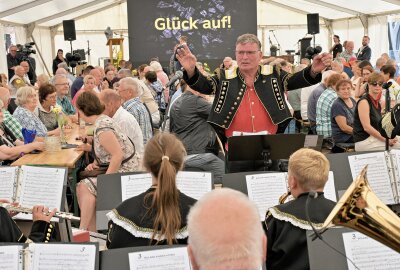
x=73, y=59
x=25, y=50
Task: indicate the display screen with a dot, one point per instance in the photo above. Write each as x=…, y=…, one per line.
x=211, y=26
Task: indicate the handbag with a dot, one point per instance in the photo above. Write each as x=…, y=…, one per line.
x=103, y=167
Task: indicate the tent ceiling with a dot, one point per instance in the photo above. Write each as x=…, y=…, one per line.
x=52, y=12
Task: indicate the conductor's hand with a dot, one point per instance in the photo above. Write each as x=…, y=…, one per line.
x=40, y=212
x=186, y=58
x=321, y=62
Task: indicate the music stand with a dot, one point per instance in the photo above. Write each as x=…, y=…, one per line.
x=265, y=148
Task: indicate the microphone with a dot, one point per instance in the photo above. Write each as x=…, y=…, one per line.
x=387, y=85
x=271, y=30
x=178, y=75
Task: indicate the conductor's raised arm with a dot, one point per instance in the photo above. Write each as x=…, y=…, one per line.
x=187, y=59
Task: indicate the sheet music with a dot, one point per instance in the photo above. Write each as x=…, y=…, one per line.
x=265, y=189
x=135, y=184
x=63, y=256
x=160, y=259
x=395, y=154
x=194, y=184
x=329, y=189
x=41, y=186
x=368, y=254
x=377, y=174
x=11, y=257
x=7, y=178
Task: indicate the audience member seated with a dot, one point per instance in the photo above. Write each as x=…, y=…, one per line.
x=348, y=53
x=42, y=79
x=78, y=83
x=17, y=81
x=157, y=216
x=356, y=70
x=313, y=99
x=146, y=97
x=110, y=75
x=342, y=113
x=188, y=120
x=62, y=88
x=388, y=72
x=324, y=105
x=112, y=149
x=27, y=102
x=42, y=230
x=157, y=90
x=160, y=73
x=225, y=232
x=126, y=121
x=47, y=101
x=89, y=85
x=129, y=92
x=367, y=117
x=9, y=121
x=286, y=224
x=11, y=147
x=361, y=85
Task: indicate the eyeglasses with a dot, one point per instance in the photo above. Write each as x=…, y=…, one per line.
x=51, y=97
x=63, y=84
x=376, y=83
x=250, y=53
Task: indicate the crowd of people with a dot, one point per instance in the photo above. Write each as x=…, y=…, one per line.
x=141, y=123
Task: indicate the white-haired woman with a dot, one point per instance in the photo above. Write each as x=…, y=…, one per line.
x=27, y=102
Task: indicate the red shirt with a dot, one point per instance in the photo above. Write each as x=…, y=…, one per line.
x=251, y=116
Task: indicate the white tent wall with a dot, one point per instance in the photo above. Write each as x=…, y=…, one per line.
x=91, y=28
x=289, y=26
x=43, y=44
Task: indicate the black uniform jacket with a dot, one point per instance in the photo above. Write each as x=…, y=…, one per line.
x=229, y=87
x=286, y=227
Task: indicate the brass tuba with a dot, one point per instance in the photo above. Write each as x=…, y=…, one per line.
x=360, y=209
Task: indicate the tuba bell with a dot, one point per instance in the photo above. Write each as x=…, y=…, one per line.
x=360, y=209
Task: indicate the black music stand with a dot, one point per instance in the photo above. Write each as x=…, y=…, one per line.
x=264, y=150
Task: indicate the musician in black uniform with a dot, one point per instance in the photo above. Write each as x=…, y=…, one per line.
x=157, y=216
x=42, y=230
x=286, y=224
x=249, y=98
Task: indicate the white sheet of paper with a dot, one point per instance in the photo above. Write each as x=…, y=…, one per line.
x=161, y=259
x=368, y=254
x=311, y=141
x=7, y=178
x=11, y=258
x=41, y=186
x=329, y=190
x=194, y=184
x=395, y=154
x=135, y=184
x=377, y=174
x=63, y=256
x=265, y=189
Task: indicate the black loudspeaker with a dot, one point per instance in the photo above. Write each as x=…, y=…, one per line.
x=313, y=23
x=69, y=30
x=304, y=44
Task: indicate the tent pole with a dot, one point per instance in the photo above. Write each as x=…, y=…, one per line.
x=40, y=55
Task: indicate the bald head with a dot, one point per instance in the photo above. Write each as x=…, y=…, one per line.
x=4, y=96
x=19, y=71
x=96, y=73
x=217, y=240
x=61, y=71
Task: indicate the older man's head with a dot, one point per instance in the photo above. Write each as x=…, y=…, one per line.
x=128, y=88
x=5, y=96
x=111, y=100
x=225, y=232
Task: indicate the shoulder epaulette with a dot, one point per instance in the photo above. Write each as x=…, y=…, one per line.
x=231, y=73
x=267, y=69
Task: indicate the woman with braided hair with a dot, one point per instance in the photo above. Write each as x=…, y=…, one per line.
x=157, y=216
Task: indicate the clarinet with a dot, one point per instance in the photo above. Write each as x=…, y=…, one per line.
x=28, y=210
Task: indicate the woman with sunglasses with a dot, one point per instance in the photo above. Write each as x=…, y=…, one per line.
x=367, y=117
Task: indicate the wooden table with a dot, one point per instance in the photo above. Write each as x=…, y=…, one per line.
x=63, y=158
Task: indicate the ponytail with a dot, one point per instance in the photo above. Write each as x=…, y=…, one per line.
x=163, y=157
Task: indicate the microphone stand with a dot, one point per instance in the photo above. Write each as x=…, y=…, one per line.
x=386, y=86
x=88, y=52
x=279, y=45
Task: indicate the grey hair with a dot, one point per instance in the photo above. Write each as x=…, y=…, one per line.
x=131, y=83
x=127, y=72
x=23, y=94
x=210, y=253
x=248, y=38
